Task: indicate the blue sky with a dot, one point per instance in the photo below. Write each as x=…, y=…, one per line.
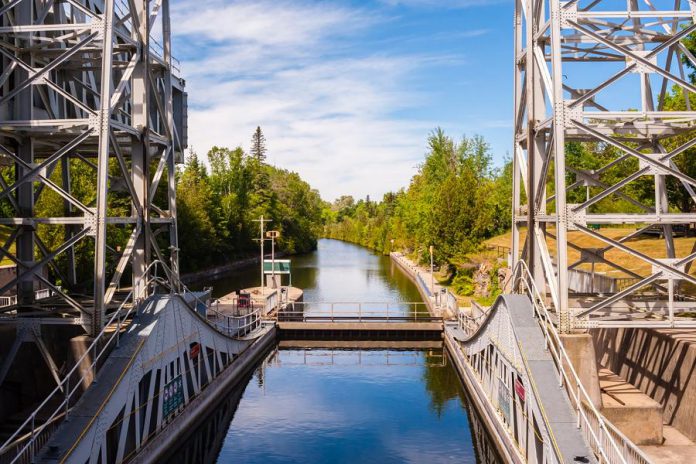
x=346, y=92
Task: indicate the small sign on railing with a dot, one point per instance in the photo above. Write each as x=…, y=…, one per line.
x=519, y=389
x=195, y=350
x=173, y=396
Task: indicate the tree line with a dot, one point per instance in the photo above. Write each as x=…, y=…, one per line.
x=218, y=208
x=456, y=200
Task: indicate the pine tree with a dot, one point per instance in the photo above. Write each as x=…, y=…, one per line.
x=258, y=145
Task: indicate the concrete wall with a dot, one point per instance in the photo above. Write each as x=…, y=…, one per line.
x=661, y=363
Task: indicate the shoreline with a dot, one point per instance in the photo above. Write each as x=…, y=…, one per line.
x=221, y=270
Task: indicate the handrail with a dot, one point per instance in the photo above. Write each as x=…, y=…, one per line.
x=601, y=434
x=250, y=321
x=67, y=391
x=224, y=328
x=64, y=387
x=356, y=310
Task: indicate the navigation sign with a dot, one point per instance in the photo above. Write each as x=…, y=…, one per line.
x=504, y=401
x=173, y=396
x=519, y=389
x=195, y=349
x=282, y=266
x=272, y=234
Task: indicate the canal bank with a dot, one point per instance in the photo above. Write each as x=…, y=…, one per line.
x=441, y=302
x=486, y=412
x=296, y=408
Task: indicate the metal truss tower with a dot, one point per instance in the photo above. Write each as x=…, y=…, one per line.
x=92, y=122
x=610, y=78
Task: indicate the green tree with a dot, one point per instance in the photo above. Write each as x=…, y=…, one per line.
x=258, y=145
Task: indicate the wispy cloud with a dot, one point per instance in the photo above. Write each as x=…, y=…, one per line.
x=327, y=109
x=441, y=3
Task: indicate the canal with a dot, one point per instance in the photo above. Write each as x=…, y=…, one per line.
x=357, y=404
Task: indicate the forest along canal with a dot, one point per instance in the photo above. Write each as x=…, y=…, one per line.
x=342, y=405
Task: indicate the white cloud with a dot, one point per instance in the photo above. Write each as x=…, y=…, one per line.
x=327, y=111
x=441, y=3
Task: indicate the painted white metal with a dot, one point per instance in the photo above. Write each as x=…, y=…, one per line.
x=76, y=85
x=167, y=347
x=491, y=334
x=600, y=72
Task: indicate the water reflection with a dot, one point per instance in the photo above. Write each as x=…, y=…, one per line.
x=377, y=404
x=323, y=405
x=337, y=271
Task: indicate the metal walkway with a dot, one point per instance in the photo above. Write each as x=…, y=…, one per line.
x=560, y=416
x=513, y=360
x=170, y=355
x=535, y=367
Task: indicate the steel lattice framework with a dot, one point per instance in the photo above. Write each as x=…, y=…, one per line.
x=92, y=122
x=606, y=76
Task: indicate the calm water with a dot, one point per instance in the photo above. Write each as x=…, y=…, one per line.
x=343, y=406
x=337, y=271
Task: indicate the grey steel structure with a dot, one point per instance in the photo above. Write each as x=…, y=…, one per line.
x=92, y=122
x=604, y=73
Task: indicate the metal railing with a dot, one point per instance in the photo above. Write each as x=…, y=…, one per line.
x=471, y=323
x=240, y=323
x=500, y=250
x=11, y=300
x=359, y=357
x=608, y=443
x=122, y=13
x=8, y=301
x=357, y=312
x=64, y=394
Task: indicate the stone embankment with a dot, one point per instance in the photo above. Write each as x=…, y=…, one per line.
x=440, y=301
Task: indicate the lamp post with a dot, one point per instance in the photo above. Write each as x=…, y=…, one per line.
x=432, y=277
x=262, y=222
x=392, y=245
x=273, y=235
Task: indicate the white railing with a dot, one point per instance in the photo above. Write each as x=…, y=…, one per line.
x=30, y=436
x=607, y=442
x=43, y=294
x=11, y=300
x=470, y=323
x=65, y=392
x=353, y=311
x=8, y=301
x=240, y=323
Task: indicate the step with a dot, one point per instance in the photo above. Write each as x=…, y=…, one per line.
x=638, y=416
x=676, y=448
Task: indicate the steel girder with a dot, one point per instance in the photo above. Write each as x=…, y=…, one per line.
x=87, y=132
x=603, y=73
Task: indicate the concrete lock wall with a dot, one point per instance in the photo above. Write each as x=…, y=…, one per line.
x=660, y=363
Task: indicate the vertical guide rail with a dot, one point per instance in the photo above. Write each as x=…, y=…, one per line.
x=103, y=168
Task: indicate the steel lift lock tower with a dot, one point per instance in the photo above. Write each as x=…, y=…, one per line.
x=603, y=73
x=92, y=124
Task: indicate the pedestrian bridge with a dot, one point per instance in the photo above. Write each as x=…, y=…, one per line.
x=358, y=321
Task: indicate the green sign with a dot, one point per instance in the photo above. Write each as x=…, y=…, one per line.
x=504, y=401
x=282, y=266
x=173, y=394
